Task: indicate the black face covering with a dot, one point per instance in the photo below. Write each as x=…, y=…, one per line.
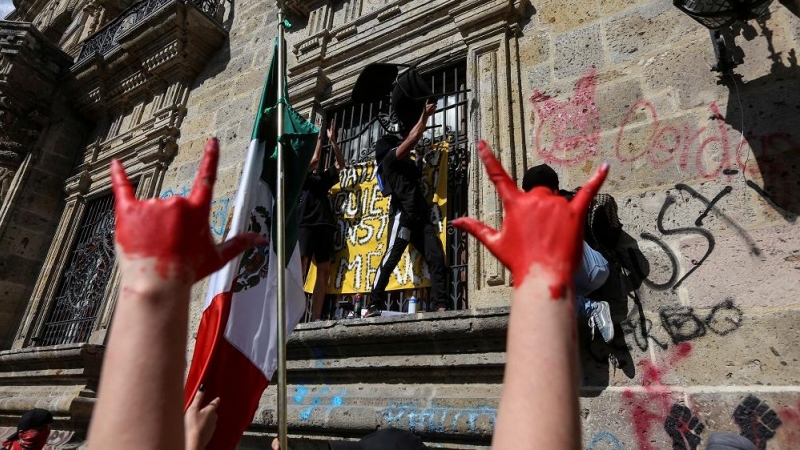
x=408, y=98
x=31, y=420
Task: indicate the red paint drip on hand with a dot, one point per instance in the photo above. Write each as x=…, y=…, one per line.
x=558, y=291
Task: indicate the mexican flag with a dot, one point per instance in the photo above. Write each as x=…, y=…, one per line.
x=236, y=353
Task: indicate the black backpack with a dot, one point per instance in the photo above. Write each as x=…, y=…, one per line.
x=603, y=228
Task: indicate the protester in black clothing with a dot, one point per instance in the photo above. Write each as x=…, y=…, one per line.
x=410, y=214
x=315, y=220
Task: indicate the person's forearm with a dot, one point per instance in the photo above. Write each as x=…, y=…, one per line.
x=316, y=156
x=142, y=377
x=412, y=139
x=339, y=156
x=539, y=403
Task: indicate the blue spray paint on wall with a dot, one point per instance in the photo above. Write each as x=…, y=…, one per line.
x=605, y=436
x=478, y=420
x=300, y=394
x=219, y=216
x=320, y=400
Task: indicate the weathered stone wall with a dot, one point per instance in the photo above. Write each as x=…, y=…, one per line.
x=705, y=173
x=39, y=141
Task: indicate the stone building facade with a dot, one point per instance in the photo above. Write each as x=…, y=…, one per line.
x=704, y=169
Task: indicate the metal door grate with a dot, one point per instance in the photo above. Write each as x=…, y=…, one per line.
x=84, y=281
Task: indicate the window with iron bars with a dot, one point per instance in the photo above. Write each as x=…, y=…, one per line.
x=83, y=283
x=359, y=126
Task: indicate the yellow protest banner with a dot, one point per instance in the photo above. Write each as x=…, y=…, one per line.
x=362, y=224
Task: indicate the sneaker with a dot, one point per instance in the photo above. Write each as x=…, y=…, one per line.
x=601, y=318
x=373, y=310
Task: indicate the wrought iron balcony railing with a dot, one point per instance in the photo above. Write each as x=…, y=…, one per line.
x=104, y=40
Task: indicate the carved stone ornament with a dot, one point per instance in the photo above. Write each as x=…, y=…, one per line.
x=152, y=44
x=29, y=69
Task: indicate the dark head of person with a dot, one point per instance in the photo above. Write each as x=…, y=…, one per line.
x=538, y=176
x=33, y=430
x=385, y=439
x=409, y=95
x=543, y=176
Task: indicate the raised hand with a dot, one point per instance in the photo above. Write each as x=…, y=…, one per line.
x=331, y=131
x=541, y=232
x=200, y=422
x=429, y=110
x=170, y=240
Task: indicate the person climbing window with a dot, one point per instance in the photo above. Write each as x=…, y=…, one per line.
x=410, y=214
x=316, y=224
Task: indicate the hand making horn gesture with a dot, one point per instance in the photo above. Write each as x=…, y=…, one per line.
x=541, y=231
x=171, y=239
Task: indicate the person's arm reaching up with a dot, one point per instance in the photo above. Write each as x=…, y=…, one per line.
x=317, y=152
x=337, y=151
x=163, y=247
x=416, y=133
x=541, y=243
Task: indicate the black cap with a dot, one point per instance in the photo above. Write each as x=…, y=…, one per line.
x=386, y=439
x=32, y=419
x=541, y=175
x=375, y=82
x=728, y=441
x=408, y=98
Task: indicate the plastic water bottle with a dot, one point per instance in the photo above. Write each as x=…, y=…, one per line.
x=412, y=305
x=357, y=305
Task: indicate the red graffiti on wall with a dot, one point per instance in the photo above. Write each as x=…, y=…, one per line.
x=572, y=126
x=790, y=431
x=652, y=406
x=568, y=132
x=682, y=144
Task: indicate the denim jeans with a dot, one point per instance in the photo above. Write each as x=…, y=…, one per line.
x=592, y=273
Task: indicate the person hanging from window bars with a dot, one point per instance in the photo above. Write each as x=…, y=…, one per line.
x=316, y=224
x=399, y=177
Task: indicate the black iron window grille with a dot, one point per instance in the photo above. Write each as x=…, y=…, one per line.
x=359, y=127
x=104, y=40
x=83, y=283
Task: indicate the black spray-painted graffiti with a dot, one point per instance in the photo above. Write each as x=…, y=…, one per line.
x=683, y=325
x=640, y=328
x=710, y=206
x=683, y=428
x=756, y=420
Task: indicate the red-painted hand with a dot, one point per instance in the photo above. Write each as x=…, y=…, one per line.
x=172, y=237
x=541, y=231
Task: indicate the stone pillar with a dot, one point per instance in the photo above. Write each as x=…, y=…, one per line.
x=496, y=116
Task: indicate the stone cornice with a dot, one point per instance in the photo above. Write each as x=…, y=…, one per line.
x=171, y=43
x=62, y=379
x=303, y=7
x=56, y=363
x=341, y=344
x=387, y=34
